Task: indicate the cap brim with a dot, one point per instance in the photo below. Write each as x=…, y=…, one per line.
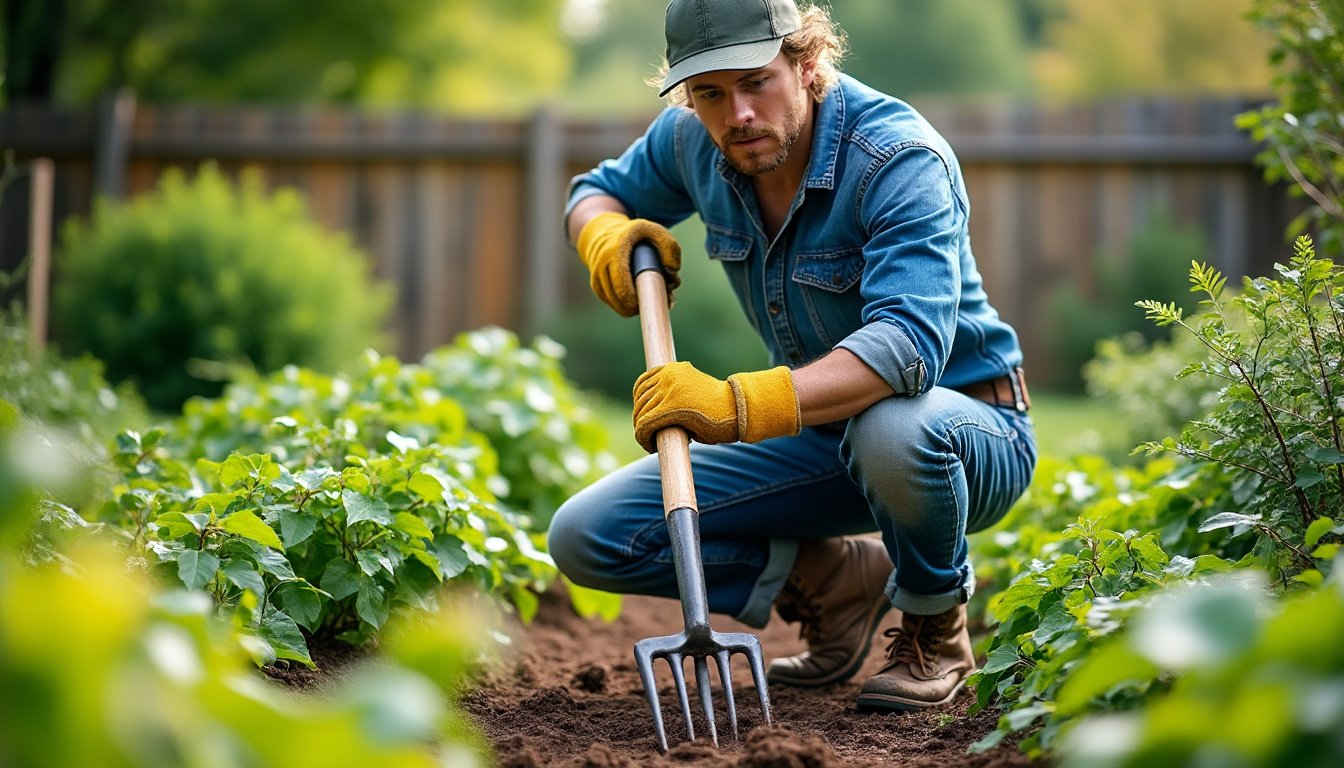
x=741, y=56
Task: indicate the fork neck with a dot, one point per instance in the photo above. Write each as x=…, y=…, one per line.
x=683, y=526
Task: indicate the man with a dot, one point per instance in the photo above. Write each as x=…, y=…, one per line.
x=896, y=403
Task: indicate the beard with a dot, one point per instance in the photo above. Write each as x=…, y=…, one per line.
x=756, y=162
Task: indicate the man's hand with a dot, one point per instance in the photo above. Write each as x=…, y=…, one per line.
x=604, y=245
x=750, y=407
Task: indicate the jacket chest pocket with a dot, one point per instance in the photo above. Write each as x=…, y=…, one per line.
x=732, y=250
x=829, y=284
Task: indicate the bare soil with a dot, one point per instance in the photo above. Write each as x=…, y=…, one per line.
x=571, y=698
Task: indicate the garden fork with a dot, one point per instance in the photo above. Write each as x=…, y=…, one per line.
x=697, y=641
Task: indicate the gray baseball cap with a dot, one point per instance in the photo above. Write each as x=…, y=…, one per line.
x=710, y=35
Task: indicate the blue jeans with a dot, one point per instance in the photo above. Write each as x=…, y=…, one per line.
x=923, y=471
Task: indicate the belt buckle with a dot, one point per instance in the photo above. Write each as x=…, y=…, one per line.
x=1016, y=385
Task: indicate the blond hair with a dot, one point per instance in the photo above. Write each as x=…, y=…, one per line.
x=819, y=39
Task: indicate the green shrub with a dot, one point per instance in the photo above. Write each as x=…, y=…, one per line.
x=203, y=274
x=1257, y=684
x=1138, y=380
x=1275, y=433
x=325, y=502
x=68, y=394
x=550, y=444
x=1302, y=131
x=99, y=668
x=1154, y=264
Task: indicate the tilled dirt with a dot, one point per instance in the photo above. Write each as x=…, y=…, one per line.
x=571, y=698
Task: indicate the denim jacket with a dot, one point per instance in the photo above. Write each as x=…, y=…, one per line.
x=875, y=256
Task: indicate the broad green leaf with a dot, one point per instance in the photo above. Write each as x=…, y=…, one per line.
x=359, y=507
x=371, y=602
x=1325, y=551
x=452, y=555
x=1316, y=530
x=301, y=601
x=1056, y=620
x=372, y=561
x=234, y=470
x=1311, y=577
x=412, y=526
x=1104, y=669
x=1227, y=520
x=1307, y=478
x=526, y=601
x=1002, y=658
x=426, y=487
x=196, y=568
x=296, y=527
x=248, y=525
x=244, y=576
x=428, y=560
x=340, y=578
x=175, y=525
x=1325, y=455
x=1021, y=718
x=271, y=561
x=284, y=636
x=311, y=479
x=592, y=603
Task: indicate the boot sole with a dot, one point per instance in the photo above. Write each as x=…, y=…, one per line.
x=844, y=673
x=888, y=701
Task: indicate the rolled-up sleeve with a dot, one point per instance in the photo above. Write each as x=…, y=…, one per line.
x=911, y=281
x=647, y=178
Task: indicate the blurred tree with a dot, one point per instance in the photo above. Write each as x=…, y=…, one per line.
x=1167, y=46
x=446, y=54
x=938, y=46
x=913, y=46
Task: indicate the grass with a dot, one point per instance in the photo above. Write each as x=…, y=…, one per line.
x=1065, y=425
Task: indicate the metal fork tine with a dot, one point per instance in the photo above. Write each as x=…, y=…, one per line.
x=644, y=661
x=726, y=679
x=679, y=677
x=706, y=702
x=756, y=658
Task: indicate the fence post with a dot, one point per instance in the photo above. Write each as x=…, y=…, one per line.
x=116, y=112
x=39, y=239
x=544, y=166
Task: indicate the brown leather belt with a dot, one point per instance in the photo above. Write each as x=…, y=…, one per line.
x=1006, y=391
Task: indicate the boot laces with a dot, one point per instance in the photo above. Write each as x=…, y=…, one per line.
x=915, y=636
x=802, y=608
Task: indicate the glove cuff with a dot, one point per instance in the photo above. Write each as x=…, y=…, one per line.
x=767, y=404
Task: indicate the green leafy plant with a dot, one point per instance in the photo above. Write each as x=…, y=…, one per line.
x=1137, y=379
x=292, y=538
x=1063, y=603
x=550, y=444
x=202, y=275
x=100, y=667
x=1257, y=683
x=1276, y=430
x=1152, y=263
x=1302, y=130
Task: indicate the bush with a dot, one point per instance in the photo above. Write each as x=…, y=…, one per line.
x=1155, y=264
x=99, y=668
x=202, y=274
x=1303, y=130
x=1138, y=379
x=1259, y=684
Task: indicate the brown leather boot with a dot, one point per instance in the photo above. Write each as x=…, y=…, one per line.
x=836, y=592
x=928, y=660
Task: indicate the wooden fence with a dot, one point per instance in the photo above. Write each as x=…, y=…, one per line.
x=463, y=216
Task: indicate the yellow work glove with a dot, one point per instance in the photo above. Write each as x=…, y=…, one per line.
x=605, y=243
x=750, y=407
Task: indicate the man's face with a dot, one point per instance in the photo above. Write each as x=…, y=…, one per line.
x=754, y=116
